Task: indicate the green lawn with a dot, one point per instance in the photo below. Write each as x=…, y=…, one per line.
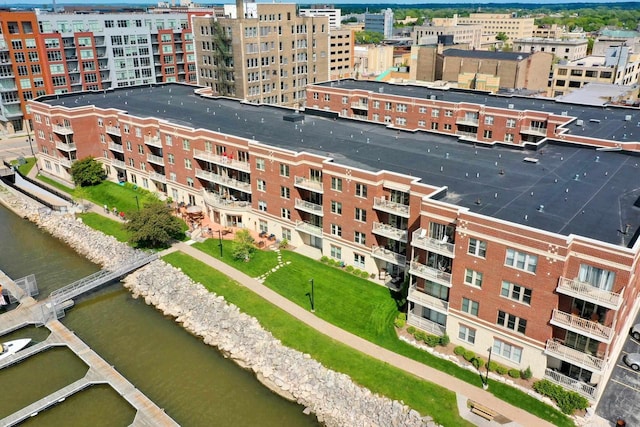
x=261, y=261
x=56, y=184
x=108, y=226
x=25, y=168
x=425, y=397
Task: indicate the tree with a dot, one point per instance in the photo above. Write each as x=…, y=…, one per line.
x=366, y=37
x=153, y=226
x=243, y=245
x=502, y=37
x=87, y=172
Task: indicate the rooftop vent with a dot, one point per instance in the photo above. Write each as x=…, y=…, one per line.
x=627, y=118
x=432, y=97
x=579, y=122
x=565, y=113
x=381, y=89
x=510, y=106
x=594, y=120
x=293, y=118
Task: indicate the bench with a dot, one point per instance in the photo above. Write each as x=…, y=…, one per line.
x=483, y=411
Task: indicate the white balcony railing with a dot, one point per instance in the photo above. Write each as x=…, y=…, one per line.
x=425, y=324
x=65, y=147
x=227, y=161
x=158, y=177
x=309, y=207
x=469, y=121
x=582, y=326
x=430, y=273
x=585, y=291
x=116, y=147
x=388, y=255
x=419, y=239
x=390, y=232
x=309, y=228
x=360, y=105
x=118, y=163
x=113, y=130
x=153, y=141
x=308, y=184
x=382, y=204
x=223, y=180
x=576, y=357
x=467, y=135
x=225, y=203
x=588, y=391
x=156, y=160
x=533, y=130
x=426, y=300
x=66, y=162
x=62, y=130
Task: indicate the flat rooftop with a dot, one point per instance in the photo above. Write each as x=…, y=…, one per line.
x=583, y=191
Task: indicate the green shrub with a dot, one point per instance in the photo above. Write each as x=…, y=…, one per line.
x=411, y=330
x=402, y=316
x=284, y=243
x=356, y=271
x=399, y=323
x=349, y=268
x=477, y=362
x=493, y=366
x=502, y=369
x=567, y=401
x=324, y=259
x=526, y=374
x=444, y=340
x=459, y=350
x=432, y=340
x=420, y=335
x=468, y=355
x=364, y=275
x=514, y=373
x=332, y=262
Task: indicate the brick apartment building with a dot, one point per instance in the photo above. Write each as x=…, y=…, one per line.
x=508, y=221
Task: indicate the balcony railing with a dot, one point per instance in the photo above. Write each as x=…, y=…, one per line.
x=382, y=204
x=308, y=184
x=223, y=180
x=66, y=162
x=116, y=147
x=388, y=255
x=222, y=160
x=223, y=203
x=556, y=349
x=118, y=163
x=569, y=383
x=469, y=121
x=153, y=141
x=427, y=300
x=585, y=291
x=360, y=105
x=158, y=177
x=313, y=208
x=156, y=160
x=430, y=273
x=419, y=239
x=533, y=130
x=62, y=130
x=467, y=135
x=309, y=228
x=582, y=326
x=425, y=324
x=65, y=147
x=113, y=130
x=390, y=232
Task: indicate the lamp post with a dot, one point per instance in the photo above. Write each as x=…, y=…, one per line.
x=485, y=385
x=313, y=298
x=220, y=241
x=137, y=202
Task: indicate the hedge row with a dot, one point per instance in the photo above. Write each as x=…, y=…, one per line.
x=567, y=401
x=349, y=268
x=478, y=362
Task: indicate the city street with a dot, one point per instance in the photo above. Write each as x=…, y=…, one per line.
x=621, y=396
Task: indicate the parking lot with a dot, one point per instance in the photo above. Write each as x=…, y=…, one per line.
x=621, y=396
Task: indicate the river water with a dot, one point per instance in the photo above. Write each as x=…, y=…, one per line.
x=193, y=382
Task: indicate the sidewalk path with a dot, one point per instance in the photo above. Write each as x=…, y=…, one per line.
x=416, y=368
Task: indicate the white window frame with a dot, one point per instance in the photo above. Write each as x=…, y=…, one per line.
x=507, y=351
x=467, y=334
x=521, y=260
x=477, y=247
x=516, y=292
x=473, y=278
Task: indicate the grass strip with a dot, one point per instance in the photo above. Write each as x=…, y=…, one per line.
x=261, y=261
x=108, y=226
x=423, y=396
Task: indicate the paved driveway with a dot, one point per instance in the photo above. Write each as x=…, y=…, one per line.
x=621, y=397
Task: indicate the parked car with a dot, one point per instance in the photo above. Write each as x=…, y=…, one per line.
x=635, y=331
x=632, y=360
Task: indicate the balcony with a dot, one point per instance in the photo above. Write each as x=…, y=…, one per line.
x=576, y=357
x=430, y=273
x=118, y=163
x=384, y=205
x=359, y=105
x=467, y=121
x=309, y=184
x=222, y=160
x=65, y=147
x=8, y=88
x=118, y=148
x=582, y=326
x=385, y=254
x=309, y=228
x=309, y=207
x=427, y=300
x=588, y=391
x=467, y=135
x=223, y=180
x=62, y=130
x=114, y=130
x=389, y=231
x=153, y=141
x=533, y=130
x=219, y=202
x=420, y=240
x=156, y=160
x=66, y=162
x=425, y=324
x=158, y=177
x=584, y=291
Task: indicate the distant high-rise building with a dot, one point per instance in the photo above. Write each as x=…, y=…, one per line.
x=380, y=22
x=329, y=11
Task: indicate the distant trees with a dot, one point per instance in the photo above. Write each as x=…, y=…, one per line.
x=368, y=37
x=154, y=226
x=87, y=172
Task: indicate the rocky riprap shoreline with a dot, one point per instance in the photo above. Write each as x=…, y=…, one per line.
x=333, y=397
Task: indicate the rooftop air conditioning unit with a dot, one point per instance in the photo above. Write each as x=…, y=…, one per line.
x=579, y=122
x=510, y=106
x=627, y=118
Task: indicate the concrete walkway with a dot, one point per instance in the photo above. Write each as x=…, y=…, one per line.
x=416, y=368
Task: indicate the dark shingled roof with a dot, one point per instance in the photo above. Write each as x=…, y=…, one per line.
x=486, y=54
x=582, y=191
